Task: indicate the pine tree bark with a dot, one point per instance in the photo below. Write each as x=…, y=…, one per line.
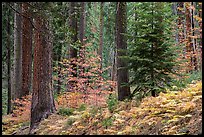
x=42, y=96
x=122, y=73
x=17, y=73
x=26, y=51
x=9, y=61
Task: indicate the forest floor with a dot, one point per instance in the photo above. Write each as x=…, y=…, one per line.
x=174, y=112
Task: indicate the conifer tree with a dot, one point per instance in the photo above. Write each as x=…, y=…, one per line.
x=151, y=53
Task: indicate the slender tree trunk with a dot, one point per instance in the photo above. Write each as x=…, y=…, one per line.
x=174, y=8
x=179, y=22
x=100, y=51
x=194, y=48
x=26, y=50
x=152, y=56
x=59, y=83
x=82, y=22
x=17, y=75
x=9, y=61
x=42, y=97
x=189, y=41
x=122, y=73
x=200, y=24
x=113, y=65
x=113, y=53
x=82, y=30
x=73, y=27
x=74, y=38
x=81, y=38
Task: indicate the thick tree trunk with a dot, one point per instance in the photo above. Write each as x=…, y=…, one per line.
x=9, y=61
x=42, y=97
x=122, y=73
x=100, y=50
x=26, y=51
x=17, y=74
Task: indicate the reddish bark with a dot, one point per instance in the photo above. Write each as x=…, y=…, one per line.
x=26, y=51
x=42, y=97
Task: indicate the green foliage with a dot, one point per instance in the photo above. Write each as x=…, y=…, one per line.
x=112, y=102
x=4, y=101
x=70, y=121
x=82, y=107
x=178, y=84
x=65, y=111
x=151, y=54
x=107, y=122
x=194, y=76
x=94, y=110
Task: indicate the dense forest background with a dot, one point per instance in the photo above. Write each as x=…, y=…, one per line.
x=59, y=57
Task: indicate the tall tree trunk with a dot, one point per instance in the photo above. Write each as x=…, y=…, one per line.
x=26, y=50
x=58, y=58
x=100, y=50
x=59, y=82
x=82, y=31
x=179, y=22
x=181, y=25
x=17, y=75
x=74, y=38
x=194, y=47
x=73, y=28
x=152, y=56
x=189, y=41
x=9, y=61
x=81, y=38
x=174, y=8
x=122, y=73
x=113, y=53
x=42, y=96
x=200, y=24
x=113, y=65
x=82, y=23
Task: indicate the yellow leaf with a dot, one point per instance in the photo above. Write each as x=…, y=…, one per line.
x=109, y=130
x=80, y=126
x=188, y=115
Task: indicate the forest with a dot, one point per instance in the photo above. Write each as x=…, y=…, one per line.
x=101, y=68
